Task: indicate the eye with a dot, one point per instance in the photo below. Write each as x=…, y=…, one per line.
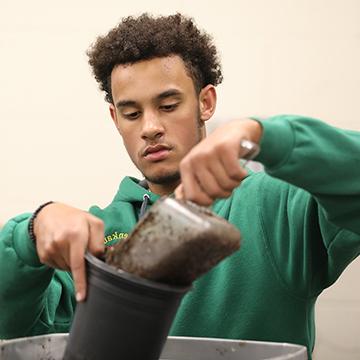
x=132, y=115
x=169, y=107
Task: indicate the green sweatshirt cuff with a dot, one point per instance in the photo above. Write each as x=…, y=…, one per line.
x=277, y=142
x=24, y=246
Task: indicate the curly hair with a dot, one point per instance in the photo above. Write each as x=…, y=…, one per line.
x=147, y=37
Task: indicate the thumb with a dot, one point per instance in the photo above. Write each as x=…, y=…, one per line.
x=179, y=192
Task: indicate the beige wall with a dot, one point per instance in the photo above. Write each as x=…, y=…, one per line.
x=58, y=142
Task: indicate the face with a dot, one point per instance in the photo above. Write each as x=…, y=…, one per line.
x=158, y=114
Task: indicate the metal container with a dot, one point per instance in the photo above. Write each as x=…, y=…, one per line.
x=52, y=347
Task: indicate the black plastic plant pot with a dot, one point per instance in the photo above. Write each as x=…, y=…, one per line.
x=124, y=316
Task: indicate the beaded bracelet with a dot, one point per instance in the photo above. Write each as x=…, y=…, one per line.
x=32, y=219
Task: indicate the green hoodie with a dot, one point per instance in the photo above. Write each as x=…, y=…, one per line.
x=300, y=228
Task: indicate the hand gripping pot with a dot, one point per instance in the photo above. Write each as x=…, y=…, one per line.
x=123, y=317
x=127, y=316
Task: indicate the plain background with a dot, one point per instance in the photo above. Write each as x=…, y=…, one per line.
x=57, y=140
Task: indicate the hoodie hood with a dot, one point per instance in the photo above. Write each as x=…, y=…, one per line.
x=131, y=191
x=128, y=206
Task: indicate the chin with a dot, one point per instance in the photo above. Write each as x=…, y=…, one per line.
x=163, y=178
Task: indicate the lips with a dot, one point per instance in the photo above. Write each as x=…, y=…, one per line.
x=156, y=152
x=155, y=148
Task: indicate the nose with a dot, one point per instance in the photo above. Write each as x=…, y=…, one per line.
x=152, y=127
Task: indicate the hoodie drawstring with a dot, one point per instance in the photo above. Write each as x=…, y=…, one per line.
x=144, y=205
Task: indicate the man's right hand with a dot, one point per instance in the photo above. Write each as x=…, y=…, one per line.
x=63, y=234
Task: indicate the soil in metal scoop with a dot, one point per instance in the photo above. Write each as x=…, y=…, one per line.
x=174, y=243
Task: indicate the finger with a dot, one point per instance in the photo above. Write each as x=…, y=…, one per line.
x=49, y=263
x=48, y=253
x=179, y=192
x=61, y=252
x=191, y=186
x=58, y=263
x=210, y=185
x=233, y=168
x=96, y=235
x=61, y=264
x=224, y=181
x=77, y=264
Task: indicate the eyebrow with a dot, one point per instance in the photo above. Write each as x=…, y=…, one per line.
x=123, y=103
x=161, y=96
x=169, y=93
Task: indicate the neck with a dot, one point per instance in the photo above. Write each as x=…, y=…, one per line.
x=163, y=189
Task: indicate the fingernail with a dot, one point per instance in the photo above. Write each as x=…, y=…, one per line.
x=79, y=297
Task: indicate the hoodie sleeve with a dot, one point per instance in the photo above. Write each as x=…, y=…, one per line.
x=318, y=158
x=325, y=162
x=24, y=282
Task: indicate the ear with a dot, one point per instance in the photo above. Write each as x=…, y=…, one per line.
x=114, y=116
x=207, y=100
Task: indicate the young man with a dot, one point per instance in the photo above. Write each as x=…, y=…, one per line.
x=299, y=220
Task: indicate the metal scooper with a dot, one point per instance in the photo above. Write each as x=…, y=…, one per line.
x=176, y=241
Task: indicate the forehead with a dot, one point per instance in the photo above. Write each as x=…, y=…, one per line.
x=150, y=77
